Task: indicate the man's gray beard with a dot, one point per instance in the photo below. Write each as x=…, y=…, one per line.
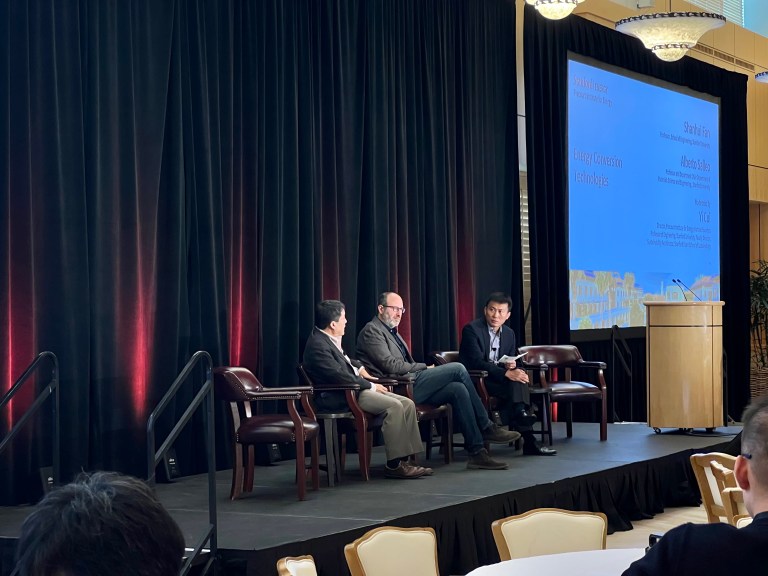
x=390, y=323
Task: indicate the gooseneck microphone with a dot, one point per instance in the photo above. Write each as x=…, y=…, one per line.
x=675, y=280
x=680, y=282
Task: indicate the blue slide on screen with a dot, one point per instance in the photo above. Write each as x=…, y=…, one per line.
x=644, y=196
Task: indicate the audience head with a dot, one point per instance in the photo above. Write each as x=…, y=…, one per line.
x=497, y=309
x=751, y=467
x=103, y=523
x=331, y=317
x=391, y=309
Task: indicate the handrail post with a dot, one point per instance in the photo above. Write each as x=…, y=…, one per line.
x=154, y=457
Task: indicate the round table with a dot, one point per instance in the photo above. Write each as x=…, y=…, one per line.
x=610, y=562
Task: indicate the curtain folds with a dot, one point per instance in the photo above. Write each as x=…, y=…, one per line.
x=185, y=175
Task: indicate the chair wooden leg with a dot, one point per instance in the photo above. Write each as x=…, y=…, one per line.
x=301, y=471
x=342, y=456
x=447, y=440
x=331, y=455
x=604, y=420
x=569, y=421
x=250, y=463
x=362, y=454
x=315, y=462
x=237, y=472
x=429, y=440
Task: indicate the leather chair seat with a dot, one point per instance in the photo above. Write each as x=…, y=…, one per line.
x=273, y=428
x=573, y=390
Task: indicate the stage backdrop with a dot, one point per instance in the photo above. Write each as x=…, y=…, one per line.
x=186, y=175
x=546, y=45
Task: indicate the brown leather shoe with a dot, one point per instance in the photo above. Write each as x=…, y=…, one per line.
x=482, y=461
x=496, y=435
x=404, y=471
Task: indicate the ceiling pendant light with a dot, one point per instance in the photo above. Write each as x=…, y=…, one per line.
x=670, y=35
x=554, y=9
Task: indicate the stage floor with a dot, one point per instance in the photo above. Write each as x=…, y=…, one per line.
x=271, y=516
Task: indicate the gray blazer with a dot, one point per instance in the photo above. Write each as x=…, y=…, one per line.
x=379, y=352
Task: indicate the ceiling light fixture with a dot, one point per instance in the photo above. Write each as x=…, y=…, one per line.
x=554, y=9
x=670, y=35
x=762, y=77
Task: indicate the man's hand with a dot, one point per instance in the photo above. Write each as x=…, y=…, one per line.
x=364, y=373
x=431, y=366
x=517, y=375
x=379, y=388
x=510, y=365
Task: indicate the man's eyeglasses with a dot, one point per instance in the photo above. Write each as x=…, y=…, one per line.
x=395, y=308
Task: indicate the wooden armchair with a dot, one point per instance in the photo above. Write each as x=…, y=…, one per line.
x=705, y=478
x=554, y=365
x=731, y=495
x=240, y=388
x=427, y=413
x=354, y=420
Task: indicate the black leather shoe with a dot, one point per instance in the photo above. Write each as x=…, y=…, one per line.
x=533, y=449
x=525, y=419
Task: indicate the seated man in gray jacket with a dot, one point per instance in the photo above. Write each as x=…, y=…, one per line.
x=326, y=364
x=384, y=353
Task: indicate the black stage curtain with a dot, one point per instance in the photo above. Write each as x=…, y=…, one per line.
x=546, y=47
x=184, y=175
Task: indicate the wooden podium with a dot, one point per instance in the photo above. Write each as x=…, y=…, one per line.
x=684, y=364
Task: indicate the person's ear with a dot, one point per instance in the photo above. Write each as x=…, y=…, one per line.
x=741, y=472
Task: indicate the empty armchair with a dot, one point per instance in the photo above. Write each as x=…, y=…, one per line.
x=390, y=551
x=705, y=478
x=549, y=531
x=240, y=388
x=554, y=365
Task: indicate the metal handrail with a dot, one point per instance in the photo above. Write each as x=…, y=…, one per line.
x=616, y=337
x=51, y=388
x=154, y=457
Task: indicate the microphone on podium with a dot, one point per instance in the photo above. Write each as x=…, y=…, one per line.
x=681, y=283
x=675, y=280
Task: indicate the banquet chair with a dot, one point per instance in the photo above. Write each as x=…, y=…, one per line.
x=354, y=420
x=296, y=566
x=391, y=551
x=742, y=521
x=554, y=364
x=710, y=493
x=240, y=388
x=549, y=531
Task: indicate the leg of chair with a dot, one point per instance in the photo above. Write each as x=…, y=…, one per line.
x=314, y=462
x=604, y=419
x=329, y=434
x=250, y=463
x=546, y=417
x=342, y=454
x=429, y=439
x=301, y=467
x=447, y=433
x=569, y=420
x=362, y=452
x=237, y=472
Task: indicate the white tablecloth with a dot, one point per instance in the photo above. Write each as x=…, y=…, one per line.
x=591, y=563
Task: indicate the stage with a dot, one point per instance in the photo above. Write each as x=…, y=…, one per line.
x=635, y=474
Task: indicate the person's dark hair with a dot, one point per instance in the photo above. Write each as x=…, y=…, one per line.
x=499, y=298
x=754, y=437
x=104, y=523
x=383, y=298
x=326, y=312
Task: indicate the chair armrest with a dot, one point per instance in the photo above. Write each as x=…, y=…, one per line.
x=283, y=394
x=591, y=364
x=526, y=366
x=478, y=373
x=337, y=387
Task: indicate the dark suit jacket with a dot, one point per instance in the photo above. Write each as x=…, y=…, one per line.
x=697, y=549
x=476, y=346
x=379, y=352
x=326, y=366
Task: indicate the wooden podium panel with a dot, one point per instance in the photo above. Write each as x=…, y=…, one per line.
x=684, y=364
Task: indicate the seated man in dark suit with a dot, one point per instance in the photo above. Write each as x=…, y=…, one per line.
x=103, y=523
x=696, y=549
x=382, y=350
x=483, y=342
x=326, y=364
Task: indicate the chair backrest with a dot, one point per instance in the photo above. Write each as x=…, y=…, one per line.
x=445, y=357
x=710, y=493
x=233, y=383
x=733, y=502
x=296, y=566
x=552, y=355
x=743, y=520
x=549, y=531
x=391, y=551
